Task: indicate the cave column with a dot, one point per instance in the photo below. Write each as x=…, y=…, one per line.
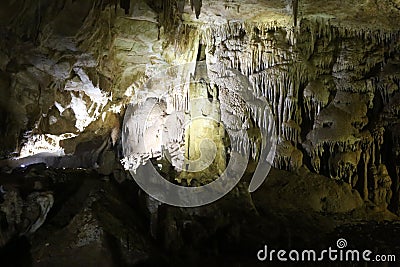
x=365, y=158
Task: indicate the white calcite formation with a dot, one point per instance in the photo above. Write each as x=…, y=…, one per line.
x=330, y=84
x=323, y=80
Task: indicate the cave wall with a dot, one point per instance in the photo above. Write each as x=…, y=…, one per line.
x=327, y=82
x=69, y=69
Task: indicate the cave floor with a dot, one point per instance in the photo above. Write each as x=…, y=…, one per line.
x=96, y=221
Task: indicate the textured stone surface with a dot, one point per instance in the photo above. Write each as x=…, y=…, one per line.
x=69, y=69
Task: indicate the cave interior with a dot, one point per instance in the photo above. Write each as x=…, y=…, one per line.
x=300, y=97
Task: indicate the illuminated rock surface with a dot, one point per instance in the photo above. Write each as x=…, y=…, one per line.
x=73, y=75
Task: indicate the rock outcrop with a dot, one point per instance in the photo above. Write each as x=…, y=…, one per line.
x=322, y=77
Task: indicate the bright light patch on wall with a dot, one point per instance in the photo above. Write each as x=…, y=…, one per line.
x=44, y=143
x=59, y=107
x=98, y=99
x=129, y=91
x=116, y=108
x=82, y=116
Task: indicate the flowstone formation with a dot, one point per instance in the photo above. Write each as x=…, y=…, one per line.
x=82, y=82
x=178, y=124
x=329, y=74
x=332, y=83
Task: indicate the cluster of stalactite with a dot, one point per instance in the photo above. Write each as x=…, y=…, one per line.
x=321, y=83
x=333, y=89
x=172, y=11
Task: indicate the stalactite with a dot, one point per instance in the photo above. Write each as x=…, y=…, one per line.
x=126, y=5
x=295, y=11
x=196, y=5
x=277, y=75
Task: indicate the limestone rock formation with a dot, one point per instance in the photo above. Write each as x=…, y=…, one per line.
x=331, y=80
x=82, y=82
